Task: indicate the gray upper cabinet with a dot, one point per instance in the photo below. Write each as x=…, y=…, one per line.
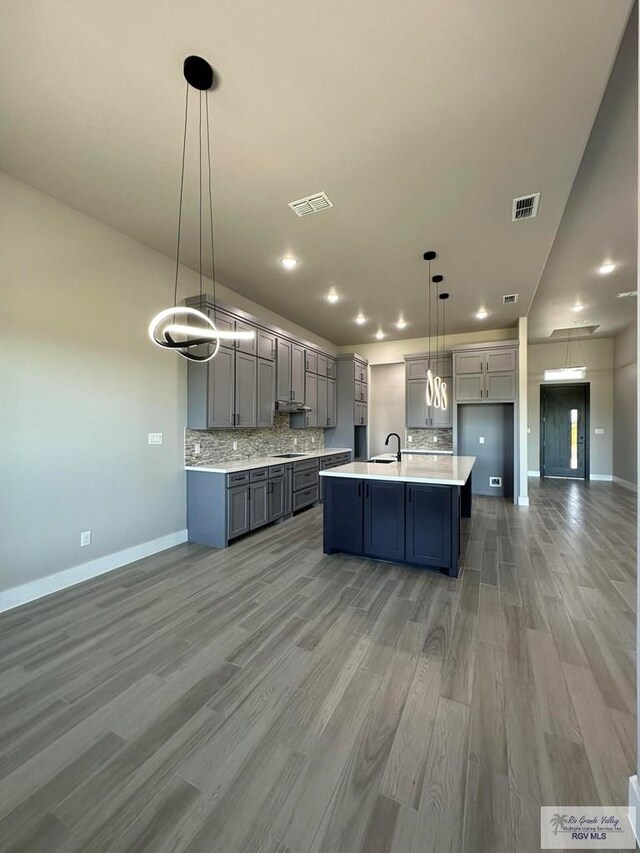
x=332, y=403
x=221, y=392
x=297, y=372
x=360, y=371
x=266, y=393
x=245, y=389
x=416, y=369
x=224, y=323
x=332, y=368
x=284, y=390
x=266, y=342
x=418, y=413
x=311, y=362
x=311, y=400
x=323, y=362
x=249, y=346
x=483, y=375
x=361, y=414
x=322, y=407
x=416, y=403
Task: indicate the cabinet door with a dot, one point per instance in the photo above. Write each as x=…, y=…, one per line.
x=357, y=390
x=384, y=520
x=238, y=519
x=266, y=345
x=276, y=498
x=297, y=372
x=417, y=415
x=343, y=515
x=311, y=361
x=332, y=403
x=500, y=386
x=283, y=369
x=266, y=393
x=222, y=390
x=259, y=504
x=224, y=323
x=500, y=360
x=322, y=405
x=246, y=394
x=288, y=489
x=360, y=371
x=416, y=369
x=311, y=399
x=249, y=346
x=332, y=368
x=360, y=414
x=428, y=525
x=469, y=388
x=442, y=417
x=471, y=362
x=322, y=365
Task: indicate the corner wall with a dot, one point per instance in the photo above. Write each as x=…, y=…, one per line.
x=625, y=421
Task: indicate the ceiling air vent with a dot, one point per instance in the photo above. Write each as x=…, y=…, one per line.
x=626, y=294
x=574, y=332
x=510, y=299
x=311, y=204
x=525, y=207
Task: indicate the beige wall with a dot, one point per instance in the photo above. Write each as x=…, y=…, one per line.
x=625, y=420
x=387, y=352
x=82, y=386
x=386, y=406
x=598, y=356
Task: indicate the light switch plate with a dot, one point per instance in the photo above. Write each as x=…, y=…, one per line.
x=235, y=445
x=196, y=449
x=435, y=439
x=410, y=439
x=481, y=439
x=155, y=438
x=85, y=538
x=599, y=431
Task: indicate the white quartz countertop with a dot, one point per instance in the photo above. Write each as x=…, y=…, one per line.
x=262, y=461
x=441, y=470
x=425, y=452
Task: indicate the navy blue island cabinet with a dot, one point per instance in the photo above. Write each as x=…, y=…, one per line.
x=396, y=521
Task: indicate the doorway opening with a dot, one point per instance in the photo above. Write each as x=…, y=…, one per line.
x=564, y=431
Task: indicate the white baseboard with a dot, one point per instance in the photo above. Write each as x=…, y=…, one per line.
x=533, y=473
x=607, y=478
x=26, y=592
x=523, y=500
x=626, y=484
x=634, y=802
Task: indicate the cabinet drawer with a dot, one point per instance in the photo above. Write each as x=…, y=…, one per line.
x=344, y=458
x=305, y=465
x=237, y=479
x=304, y=479
x=305, y=497
x=259, y=474
x=276, y=471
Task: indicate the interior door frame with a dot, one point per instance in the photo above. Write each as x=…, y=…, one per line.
x=586, y=386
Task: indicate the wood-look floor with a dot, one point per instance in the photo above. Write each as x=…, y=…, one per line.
x=268, y=699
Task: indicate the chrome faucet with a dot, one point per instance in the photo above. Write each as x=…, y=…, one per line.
x=386, y=443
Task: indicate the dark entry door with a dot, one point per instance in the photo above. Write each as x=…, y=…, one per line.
x=564, y=413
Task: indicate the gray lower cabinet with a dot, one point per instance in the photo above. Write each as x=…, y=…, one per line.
x=245, y=389
x=305, y=487
x=276, y=498
x=288, y=490
x=266, y=393
x=238, y=515
x=259, y=504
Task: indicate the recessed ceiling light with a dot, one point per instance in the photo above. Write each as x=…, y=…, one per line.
x=332, y=296
x=606, y=268
x=578, y=307
x=401, y=324
x=379, y=334
x=482, y=314
x=289, y=263
x=360, y=319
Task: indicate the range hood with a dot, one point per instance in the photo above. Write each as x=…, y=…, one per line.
x=291, y=406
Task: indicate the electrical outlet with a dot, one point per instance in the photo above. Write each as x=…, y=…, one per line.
x=435, y=439
x=235, y=445
x=528, y=429
x=481, y=439
x=409, y=439
x=155, y=438
x=313, y=441
x=295, y=442
x=495, y=481
x=196, y=449
x=85, y=538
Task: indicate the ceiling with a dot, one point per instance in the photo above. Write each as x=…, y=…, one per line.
x=600, y=222
x=421, y=120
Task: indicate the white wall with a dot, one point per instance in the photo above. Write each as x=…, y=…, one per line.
x=82, y=387
x=598, y=357
x=625, y=421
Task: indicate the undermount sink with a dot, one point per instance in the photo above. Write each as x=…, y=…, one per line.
x=287, y=455
x=382, y=461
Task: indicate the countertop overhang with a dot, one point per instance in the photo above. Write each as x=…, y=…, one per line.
x=442, y=470
x=234, y=465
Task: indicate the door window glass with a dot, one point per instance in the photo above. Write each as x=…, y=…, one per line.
x=573, y=414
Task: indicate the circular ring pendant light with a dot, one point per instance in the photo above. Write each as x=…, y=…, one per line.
x=198, y=339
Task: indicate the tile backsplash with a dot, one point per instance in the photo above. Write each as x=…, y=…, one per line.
x=423, y=439
x=217, y=445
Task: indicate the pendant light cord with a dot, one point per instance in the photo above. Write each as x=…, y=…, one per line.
x=437, y=325
x=200, y=189
x=184, y=148
x=429, y=304
x=213, y=256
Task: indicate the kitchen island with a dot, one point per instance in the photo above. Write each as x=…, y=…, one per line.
x=404, y=512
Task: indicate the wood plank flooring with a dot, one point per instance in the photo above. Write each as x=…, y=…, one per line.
x=270, y=699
